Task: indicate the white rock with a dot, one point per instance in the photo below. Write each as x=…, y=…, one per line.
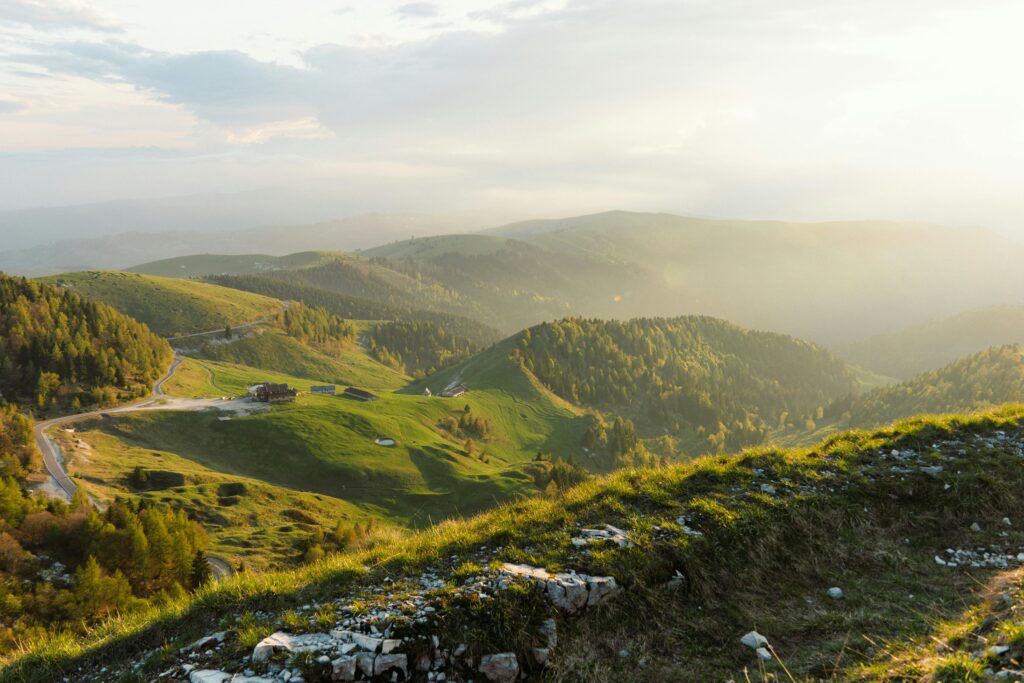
x=389, y=645
x=763, y=654
x=768, y=489
x=208, y=676
x=567, y=592
x=540, y=655
x=835, y=592
x=975, y=527
x=754, y=640
x=344, y=668
x=368, y=643
x=997, y=650
x=600, y=588
x=500, y=668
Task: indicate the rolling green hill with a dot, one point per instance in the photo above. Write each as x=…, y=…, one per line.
x=717, y=548
x=201, y=265
x=931, y=345
x=441, y=465
x=833, y=283
x=273, y=349
x=169, y=306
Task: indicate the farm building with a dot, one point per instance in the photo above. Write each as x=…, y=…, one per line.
x=329, y=389
x=455, y=392
x=272, y=393
x=359, y=394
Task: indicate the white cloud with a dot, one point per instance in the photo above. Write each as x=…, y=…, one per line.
x=793, y=108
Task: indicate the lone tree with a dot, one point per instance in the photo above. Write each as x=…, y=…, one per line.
x=201, y=572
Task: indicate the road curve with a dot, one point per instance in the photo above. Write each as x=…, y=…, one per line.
x=51, y=452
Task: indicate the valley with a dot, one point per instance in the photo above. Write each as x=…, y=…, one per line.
x=473, y=407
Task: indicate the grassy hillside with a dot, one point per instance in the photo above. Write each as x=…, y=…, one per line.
x=432, y=247
x=722, y=546
x=248, y=522
x=169, y=306
x=201, y=265
x=272, y=348
x=929, y=346
x=326, y=444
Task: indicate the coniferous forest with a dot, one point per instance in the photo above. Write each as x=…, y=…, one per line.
x=58, y=350
x=730, y=384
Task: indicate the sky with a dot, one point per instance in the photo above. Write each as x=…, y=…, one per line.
x=790, y=109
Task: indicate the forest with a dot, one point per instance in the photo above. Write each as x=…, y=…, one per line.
x=59, y=351
x=979, y=381
x=671, y=375
x=316, y=326
x=418, y=347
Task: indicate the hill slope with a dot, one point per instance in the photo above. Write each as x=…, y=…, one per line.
x=715, y=549
x=58, y=350
x=169, y=306
x=933, y=344
x=201, y=265
x=976, y=382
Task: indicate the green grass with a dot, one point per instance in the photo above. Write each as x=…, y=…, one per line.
x=199, y=265
x=432, y=247
x=168, y=306
x=841, y=516
x=272, y=348
x=248, y=521
x=325, y=444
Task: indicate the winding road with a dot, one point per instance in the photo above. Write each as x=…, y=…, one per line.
x=53, y=461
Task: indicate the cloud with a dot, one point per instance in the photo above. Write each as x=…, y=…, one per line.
x=299, y=129
x=46, y=15
x=798, y=108
x=9, y=106
x=418, y=10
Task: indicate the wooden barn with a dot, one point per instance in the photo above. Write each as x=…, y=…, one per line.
x=455, y=392
x=272, y=393
x=359, y=394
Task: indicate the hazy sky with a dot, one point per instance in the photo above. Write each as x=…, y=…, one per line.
x=803, y=109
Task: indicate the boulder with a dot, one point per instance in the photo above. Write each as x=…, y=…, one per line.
x=365, y=642
x=763, y=654
x=835, y=592
x=567, y=592
x=600, y=588
x=285, y=642
x=500, y=668
x=343, y=668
